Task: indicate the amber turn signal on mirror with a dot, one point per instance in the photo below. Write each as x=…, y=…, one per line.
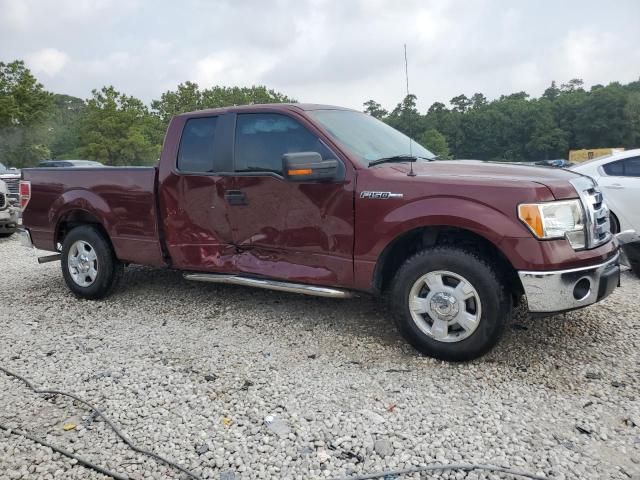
x=300, y=171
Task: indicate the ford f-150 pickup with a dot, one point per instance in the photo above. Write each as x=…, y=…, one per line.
x=330, y=202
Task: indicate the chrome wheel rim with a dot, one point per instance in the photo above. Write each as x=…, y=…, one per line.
x=445, y=306
x=82, y=262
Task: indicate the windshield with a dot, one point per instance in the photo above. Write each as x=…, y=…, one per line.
x=2, y=167
x=367, y=137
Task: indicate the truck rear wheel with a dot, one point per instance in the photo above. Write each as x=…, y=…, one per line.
x=89, y=265
x=449, y=303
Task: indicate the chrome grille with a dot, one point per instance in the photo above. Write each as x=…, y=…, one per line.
x=596, y=211
x=13, y=186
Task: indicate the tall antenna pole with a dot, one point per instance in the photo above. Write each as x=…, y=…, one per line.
x=406, y=75
x=406, y=67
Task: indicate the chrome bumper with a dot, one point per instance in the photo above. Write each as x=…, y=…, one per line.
x=561, y=290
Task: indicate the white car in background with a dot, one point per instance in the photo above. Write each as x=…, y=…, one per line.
x=618, y=176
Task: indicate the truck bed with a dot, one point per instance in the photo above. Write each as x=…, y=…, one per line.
x=122, y=199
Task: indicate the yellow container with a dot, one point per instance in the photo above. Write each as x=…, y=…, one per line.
x=576, y=156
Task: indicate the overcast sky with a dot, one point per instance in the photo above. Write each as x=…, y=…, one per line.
x=340, y=52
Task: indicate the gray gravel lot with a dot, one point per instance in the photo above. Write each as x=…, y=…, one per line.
x=191, y=370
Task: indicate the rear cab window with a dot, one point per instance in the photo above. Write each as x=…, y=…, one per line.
x=196, y=153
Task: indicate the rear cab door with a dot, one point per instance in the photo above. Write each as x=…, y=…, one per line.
x=195, y=175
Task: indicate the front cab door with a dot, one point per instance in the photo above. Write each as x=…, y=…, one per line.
x=298, y=231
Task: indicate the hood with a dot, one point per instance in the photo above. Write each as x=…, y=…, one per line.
x=556, y=179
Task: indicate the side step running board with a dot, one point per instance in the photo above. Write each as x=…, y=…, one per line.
x=269, y=284
x=50, y=258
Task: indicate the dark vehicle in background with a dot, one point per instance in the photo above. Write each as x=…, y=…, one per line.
x=557, y=163
x=69, y=163
x=330, y=202
x=11, y=177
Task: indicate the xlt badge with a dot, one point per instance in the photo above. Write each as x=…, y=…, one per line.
x=380, y=195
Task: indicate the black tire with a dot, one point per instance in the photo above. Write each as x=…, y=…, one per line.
x=494, y=298
x=632, y=251
x=614, y=223
x=109, y=268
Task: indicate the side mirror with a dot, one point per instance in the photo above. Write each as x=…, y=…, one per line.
x=306, y=166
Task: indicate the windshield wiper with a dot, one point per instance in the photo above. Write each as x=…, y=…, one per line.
x=397, y=159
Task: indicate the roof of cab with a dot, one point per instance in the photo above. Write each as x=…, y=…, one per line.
x=265, y=106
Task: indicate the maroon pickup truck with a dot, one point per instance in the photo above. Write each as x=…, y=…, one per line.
x=328, y=201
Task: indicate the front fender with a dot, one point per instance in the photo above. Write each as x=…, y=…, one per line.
x=375, y=235
x=488, y=221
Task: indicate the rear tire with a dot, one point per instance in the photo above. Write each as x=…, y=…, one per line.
x=89, y=265
x=459, y=286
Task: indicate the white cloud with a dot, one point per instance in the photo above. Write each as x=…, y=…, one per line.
x=329, y=51
x=230, y=68
x=109, y=64
x=48, y=60
x=15, y=14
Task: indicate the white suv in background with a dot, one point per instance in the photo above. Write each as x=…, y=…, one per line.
x=618, y=176
x=8, y=213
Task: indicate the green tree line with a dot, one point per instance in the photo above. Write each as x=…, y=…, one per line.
x=517, y=127
x=110, y=126
x=118, y=129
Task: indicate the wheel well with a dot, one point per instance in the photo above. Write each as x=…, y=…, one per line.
x=419, y=239
x=73, y=219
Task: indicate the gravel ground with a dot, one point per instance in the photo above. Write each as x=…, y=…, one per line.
x=191, y=370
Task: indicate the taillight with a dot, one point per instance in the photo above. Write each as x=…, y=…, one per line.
x=25, y=193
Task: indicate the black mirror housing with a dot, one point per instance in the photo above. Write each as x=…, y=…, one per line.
x=308, y=166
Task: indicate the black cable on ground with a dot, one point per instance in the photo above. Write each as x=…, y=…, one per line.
x=452, y=466
x=107, y=421
x=388, y=473
x=62, y=451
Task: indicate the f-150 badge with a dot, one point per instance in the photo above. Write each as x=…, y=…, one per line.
x=380, y=195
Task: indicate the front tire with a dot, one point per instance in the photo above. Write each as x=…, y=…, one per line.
x=89, y=265
x=449, y=303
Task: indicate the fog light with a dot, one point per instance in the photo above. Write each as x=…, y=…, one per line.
x=582, y=289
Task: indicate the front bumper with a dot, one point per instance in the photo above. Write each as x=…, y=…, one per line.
x=8, y=220
x=561, y=290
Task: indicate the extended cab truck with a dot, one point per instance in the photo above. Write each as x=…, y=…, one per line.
x=328, y=201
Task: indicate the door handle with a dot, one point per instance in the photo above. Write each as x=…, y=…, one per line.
x=614, y=186
x=235, y=197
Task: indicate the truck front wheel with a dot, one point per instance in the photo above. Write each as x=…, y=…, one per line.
x=89, y=265
x=449, y=303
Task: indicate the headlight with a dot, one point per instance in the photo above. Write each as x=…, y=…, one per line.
x=562, y=219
